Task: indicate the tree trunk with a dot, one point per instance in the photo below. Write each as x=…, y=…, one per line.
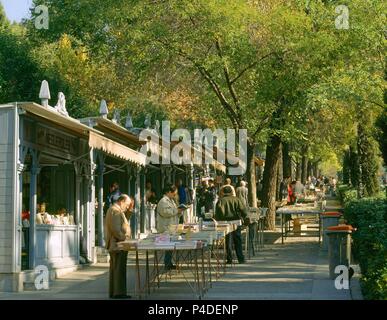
x=354, y=167
x=304, y=169
x=279, y=175
x=270, y=179
x=309, y=169
x=250, y=173
x=298, y=170
x=367, y=154
x=304, y=164
x=317, y=170
x=347, y=168
x=287, y=160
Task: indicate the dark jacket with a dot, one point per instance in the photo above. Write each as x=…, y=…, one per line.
x=111, y=199
x=206, y=198
x=230, y=208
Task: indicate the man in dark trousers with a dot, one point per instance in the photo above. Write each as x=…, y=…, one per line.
x=229, y=208
x=117, y=229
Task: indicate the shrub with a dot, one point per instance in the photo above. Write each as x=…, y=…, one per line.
x=346, y=193
x=369, y=216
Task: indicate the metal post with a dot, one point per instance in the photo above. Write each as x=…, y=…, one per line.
x=91, y=205
x=101, y=168
x=33, y=210
x=192, y=187
x=19, y=222
x=129, y=172
x=138, y=206
x=78, y=203
x=144, y=218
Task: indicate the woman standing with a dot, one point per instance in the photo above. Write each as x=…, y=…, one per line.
x=291, y=193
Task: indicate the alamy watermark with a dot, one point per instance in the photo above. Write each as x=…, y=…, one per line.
x=42, y=278
x=179, y=147
x=342, y=20
x=342, y=280
x=42, y=18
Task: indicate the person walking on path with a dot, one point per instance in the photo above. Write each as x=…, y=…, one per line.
x=242, y=193
x=168, y=214
x=229, y=208
x=118, y=229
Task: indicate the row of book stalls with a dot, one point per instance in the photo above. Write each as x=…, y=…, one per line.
x=55, y=173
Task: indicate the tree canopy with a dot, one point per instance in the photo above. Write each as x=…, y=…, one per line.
x=281, y=69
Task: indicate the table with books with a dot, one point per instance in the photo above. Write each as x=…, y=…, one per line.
x=192, y=248
x=291, y=217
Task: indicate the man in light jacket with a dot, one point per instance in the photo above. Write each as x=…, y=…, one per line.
x=117, y=229
x=168, y=214
x=242, y=193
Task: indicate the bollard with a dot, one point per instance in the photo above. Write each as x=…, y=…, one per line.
x=339, y=249
x=328, y=219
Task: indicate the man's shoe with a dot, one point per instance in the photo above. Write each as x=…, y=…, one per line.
x=122, y=296
x=242, y=261
x=229, y=262
x=171, y=267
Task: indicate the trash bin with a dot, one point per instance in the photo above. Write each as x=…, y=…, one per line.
x=328, y=219
x=339, y=249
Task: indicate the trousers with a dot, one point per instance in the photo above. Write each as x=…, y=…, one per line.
x=235, y=238
x=117, y=273
x=168, y=258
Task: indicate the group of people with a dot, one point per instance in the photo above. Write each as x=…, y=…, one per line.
x=291, y=190
x=208, y=194
x=228, y=204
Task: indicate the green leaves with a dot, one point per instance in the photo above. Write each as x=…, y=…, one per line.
x=4, y=22
x=369, y=216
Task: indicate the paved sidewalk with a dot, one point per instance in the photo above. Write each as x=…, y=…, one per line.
x=295, y=270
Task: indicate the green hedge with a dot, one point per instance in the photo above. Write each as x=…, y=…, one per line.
x=346, y=193
x=369, y=216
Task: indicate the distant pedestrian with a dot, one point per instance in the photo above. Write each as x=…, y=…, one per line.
x=150, y=193
x=284, y=188
x=242, y=193
x=291, y=192
x=299, y=189
x=227, y=183
x=206, y=199
x=112, y=196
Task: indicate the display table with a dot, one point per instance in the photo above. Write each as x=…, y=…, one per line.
x=191, y=257
x=296, y=211
x=254, y=231
x=192, y=254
